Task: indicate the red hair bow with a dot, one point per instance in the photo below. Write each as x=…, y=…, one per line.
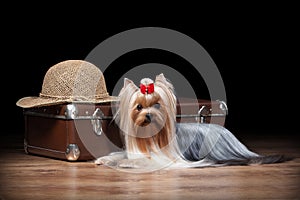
x=147, y=88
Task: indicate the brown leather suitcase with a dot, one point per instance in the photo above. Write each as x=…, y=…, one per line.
x=80, y=132
x=201, y=111
x=71, y=131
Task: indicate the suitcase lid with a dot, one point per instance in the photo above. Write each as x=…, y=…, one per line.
x=71, y=111
x=186, y=108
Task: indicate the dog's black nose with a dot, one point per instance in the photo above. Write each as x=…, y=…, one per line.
x=148, y=117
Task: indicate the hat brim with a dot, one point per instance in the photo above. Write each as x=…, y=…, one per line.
x=30, y=102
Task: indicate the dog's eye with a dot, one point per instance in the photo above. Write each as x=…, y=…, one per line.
x=157, y=106
x=139, y=107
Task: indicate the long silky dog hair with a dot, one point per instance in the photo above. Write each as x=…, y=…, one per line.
x=146, y=116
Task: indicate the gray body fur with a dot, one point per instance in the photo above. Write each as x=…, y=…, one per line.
x=217, y=144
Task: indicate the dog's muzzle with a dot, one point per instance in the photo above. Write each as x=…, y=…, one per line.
x=148, y=119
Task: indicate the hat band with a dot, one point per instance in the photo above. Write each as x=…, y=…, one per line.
x=76, y=98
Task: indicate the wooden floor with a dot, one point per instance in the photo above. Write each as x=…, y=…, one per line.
x=25, y=176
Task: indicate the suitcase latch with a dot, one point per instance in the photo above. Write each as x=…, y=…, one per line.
x=97, y=121
x=205, y=112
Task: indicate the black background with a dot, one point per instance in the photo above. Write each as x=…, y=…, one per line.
x=256, y=51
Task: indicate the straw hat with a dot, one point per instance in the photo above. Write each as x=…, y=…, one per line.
x=70, y=81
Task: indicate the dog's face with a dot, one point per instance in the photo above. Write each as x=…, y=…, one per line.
x=149, y=115
x=147, y=109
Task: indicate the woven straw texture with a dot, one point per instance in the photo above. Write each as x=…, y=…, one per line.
x=70, y=81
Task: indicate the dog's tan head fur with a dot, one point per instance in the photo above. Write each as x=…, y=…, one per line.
x=148, y=119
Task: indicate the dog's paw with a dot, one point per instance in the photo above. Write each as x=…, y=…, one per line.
x=126, y=163
x=134, y=163
x=106, y=160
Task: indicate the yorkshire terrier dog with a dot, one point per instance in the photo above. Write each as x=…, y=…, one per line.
x=146, y=116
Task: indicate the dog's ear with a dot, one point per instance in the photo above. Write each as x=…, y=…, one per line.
x=160, y=78
x=128, y=87
x=129, y=83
